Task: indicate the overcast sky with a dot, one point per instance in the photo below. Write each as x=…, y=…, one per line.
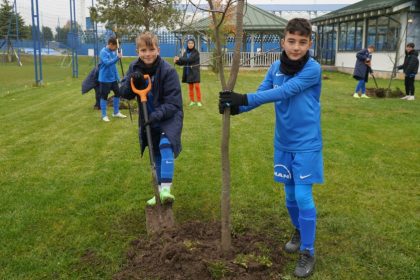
x=54, y=12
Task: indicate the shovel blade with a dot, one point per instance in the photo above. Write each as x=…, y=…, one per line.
x=159, y=218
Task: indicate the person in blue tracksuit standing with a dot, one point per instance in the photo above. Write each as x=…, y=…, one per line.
x=164, y=108
x=109, y=78
x=293, y=84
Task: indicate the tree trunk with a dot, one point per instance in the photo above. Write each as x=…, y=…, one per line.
x=226, y=241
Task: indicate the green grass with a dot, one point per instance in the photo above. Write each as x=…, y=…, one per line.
x=73, y=188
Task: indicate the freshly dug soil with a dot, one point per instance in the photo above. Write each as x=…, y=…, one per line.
x=192, y=251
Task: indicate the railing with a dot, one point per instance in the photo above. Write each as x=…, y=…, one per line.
x=248, y=59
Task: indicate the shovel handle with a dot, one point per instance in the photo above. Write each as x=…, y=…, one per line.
x=142, y=92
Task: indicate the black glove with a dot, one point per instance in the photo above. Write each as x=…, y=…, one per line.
x=230, y=98
x=234, y=110
x=138, y=79
x=154, y=117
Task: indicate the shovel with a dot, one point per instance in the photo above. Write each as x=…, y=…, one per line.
x=374, y=79
x=158, y=217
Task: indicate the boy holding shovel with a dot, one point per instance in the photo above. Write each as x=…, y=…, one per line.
x=293, y=84
x=164, y=109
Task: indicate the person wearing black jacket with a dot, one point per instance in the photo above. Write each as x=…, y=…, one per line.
x=164, y=108
x=410, y=68
x=191, y=72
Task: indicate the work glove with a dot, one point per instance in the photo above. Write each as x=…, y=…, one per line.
x=229, y=98
x=138, y=79
x=234, y=110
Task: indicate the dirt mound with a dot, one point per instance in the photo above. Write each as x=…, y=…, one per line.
x=192, y=251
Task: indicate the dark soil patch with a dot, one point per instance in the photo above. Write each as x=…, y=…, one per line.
x=192, y=251
x=383, y=92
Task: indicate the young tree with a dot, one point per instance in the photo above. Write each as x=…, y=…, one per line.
x=220, y=11
x=132, y=15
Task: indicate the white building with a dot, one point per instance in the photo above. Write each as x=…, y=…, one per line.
x=387, y=24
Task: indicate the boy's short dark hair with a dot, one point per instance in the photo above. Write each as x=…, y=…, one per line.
x=148, y=38
x=299, y=26
x=411, y=45
x=112, y=41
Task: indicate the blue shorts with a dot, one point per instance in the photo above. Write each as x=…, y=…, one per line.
x=298, y=168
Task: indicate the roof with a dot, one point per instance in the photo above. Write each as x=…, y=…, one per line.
x=364, y=9
x=255, y=20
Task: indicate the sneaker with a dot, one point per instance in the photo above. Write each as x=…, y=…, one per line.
x=305, y=265
x=165, y=197
x=411, y=97
x=356, y=95
x=199, y=104
x=364, y=96
x=405, y=97
x=119, y=115
x=294, y=243
x=192, y=103
x=105, y=119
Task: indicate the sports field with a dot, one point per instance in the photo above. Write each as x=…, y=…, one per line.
x=72, y=184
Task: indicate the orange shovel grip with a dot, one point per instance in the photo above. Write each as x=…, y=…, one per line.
x=142, y=92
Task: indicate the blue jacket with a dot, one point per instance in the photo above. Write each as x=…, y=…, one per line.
x=167, y=102
x=297, y=106
x=107, y=69
x=91, y=81
x=361, y=70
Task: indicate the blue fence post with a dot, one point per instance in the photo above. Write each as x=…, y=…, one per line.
x=74, y=39
x=37, y=42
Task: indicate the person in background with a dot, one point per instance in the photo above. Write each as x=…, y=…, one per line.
x=410, y=68
x=362, y=70
x=108, y=78
x=191, y=72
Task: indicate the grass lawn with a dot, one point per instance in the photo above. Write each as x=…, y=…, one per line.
x=73, y=188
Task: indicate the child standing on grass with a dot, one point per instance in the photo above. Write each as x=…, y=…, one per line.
x=108, y=78
x=362, y=70
x=410, y=68
x=293, y=84
x=191, y=72
x=164, y=104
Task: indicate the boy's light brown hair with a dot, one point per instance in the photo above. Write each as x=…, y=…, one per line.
x=148, y=38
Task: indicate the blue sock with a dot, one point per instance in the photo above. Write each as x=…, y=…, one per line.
x=116, y=105
x=307, y=221
x=167, y=165
x=291, y=205
x=103, y=107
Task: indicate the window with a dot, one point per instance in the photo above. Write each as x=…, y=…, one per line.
x=359, y=35
x=350, y=36
x=351, y=30
x=342, y=37
x=413, y=30
x=383, y=33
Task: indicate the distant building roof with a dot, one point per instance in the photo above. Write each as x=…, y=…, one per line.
x=364, y=9
x=255, y=20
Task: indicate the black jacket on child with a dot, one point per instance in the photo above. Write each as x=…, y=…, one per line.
x=361, y=69
x=167, y=102
x=191, y=62
x=411, y=63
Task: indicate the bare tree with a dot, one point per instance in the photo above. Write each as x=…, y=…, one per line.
x=219, y=11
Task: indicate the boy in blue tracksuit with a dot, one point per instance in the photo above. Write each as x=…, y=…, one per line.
x=108, y=78
x=293, y=84
x=164, y=107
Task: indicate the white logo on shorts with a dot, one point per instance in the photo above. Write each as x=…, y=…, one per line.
x=304, y=176
x=281, y=171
